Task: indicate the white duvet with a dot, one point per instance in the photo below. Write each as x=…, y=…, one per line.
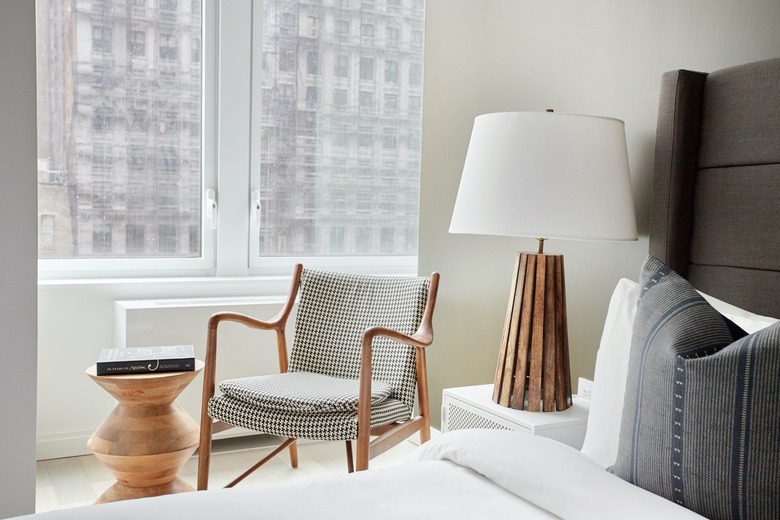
x=461, y=474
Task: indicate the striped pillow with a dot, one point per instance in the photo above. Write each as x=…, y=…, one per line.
x=701, y=416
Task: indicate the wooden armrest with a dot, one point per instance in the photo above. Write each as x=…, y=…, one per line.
x=272, y=324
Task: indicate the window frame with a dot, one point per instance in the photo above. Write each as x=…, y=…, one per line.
x=231, y=62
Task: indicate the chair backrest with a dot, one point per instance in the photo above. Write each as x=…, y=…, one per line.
x=334, y=310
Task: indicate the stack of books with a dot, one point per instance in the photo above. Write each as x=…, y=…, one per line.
x=145, y=360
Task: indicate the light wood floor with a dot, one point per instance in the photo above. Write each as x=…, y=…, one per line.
x=77, y=481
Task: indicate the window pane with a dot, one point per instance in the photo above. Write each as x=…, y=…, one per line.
x=119, y=119
x=338, y=174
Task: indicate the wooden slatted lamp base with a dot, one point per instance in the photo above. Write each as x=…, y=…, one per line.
x=533, y=364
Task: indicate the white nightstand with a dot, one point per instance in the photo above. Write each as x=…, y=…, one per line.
x=472, y=407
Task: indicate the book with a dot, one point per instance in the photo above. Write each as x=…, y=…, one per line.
x=145, y=360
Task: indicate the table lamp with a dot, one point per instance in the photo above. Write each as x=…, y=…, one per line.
x=542, y=175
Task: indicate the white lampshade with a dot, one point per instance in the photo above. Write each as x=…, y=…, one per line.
x=545, y=174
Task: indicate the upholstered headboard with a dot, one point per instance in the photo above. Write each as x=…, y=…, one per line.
x=715, y=214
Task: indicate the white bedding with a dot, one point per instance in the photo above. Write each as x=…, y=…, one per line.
x=461, y=474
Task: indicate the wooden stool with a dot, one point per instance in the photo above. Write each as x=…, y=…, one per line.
x=147, y=438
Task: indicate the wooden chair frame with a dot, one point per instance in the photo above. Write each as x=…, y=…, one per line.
x=386, y=436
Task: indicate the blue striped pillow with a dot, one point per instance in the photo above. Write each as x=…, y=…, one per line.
x=701, y=416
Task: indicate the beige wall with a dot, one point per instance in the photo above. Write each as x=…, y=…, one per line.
x=18, y=257
x=601, y=57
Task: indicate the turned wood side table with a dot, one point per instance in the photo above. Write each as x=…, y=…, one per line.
x=147, y=438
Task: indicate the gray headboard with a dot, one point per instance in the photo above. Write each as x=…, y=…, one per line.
x=715, y=214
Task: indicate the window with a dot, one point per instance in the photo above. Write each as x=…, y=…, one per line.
x=168, y=49
x=195, y=54
x=367, y=69
x=340, y=97
x=46, y=240
x=342, y=28
x=392, y=37
x=367, y=33
x=415, y=74
x=136, y=43
x=417, y=40
x=134, y=236
x=132, y=138
x=391, y=71
x=366, y=99
x=312, y=96
x=101, y=239
x=391, y=103
x=143, y=125
x=101, y=38
x=341, y=67
x=415, y=104
x=287, y=60
x=312, y=62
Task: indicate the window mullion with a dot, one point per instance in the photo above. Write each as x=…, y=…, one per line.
x=233, y=136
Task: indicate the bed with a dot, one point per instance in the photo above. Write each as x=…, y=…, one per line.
x=716, y=224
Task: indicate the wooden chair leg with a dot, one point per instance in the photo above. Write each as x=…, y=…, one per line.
x=204, y=453
x=294, y=454
x=350, y=463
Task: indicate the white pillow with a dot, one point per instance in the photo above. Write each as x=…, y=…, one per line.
x=609, y=380
x=745, y=320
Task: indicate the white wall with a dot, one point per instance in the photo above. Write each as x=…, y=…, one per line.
x=18, y=257
x=602, y=57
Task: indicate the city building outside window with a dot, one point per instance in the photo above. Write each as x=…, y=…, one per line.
x=123, y=131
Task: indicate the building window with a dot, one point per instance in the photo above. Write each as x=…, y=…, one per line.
x=367, y=69
x=312, y=62
x=134, y=239
x=313, y=26
x=102, y=118
x=336, y=240
x=415, y=104
x=101, y=239
x=366, y=99
x=287, y=60
x=195, y=54
x=46, y=234
x=417, y=40
x=168, y=238
x=390, y=139
x=391, y=71
x=342, y=29
x=391, y=103
x=101, y=38
x=340, y=97
x=392, y=37
x=367, y=33
x=168, y=49
x=341, y=66
x=312, y=96
x=136, y=43
x=386, y=240
x=415, y=74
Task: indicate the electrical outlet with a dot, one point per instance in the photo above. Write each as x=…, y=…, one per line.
x=584, y=388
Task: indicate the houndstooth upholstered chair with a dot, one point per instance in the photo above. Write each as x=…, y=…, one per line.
x=357, y=358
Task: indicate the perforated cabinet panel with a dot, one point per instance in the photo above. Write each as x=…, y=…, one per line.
x=461, y=415
x=459, y=418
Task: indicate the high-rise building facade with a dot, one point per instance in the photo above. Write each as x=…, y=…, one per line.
x=120, y=127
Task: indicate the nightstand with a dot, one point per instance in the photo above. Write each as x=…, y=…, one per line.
x=472, y=407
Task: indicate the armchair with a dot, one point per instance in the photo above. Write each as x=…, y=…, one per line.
x=357, y=358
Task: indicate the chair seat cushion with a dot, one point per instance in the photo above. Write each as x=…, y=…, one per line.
x=327, y=426
x=302, y=392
